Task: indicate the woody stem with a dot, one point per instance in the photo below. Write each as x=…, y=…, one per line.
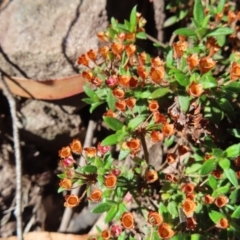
x=145, y=150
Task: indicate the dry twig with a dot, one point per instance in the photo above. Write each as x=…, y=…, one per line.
x=17, y=151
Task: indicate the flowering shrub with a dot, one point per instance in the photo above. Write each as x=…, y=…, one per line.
x=188, y=100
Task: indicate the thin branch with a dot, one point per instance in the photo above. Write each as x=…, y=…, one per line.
x=68, y=211
x=145, y=149
x=17, y=151
x=155, y=41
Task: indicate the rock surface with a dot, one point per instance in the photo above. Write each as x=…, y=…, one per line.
x=42, y=38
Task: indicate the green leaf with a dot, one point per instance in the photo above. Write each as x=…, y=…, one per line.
x=212, y=181
x=184, y=102
x=182, y=79
x=172, y=208
x=193, y=168
x=89, y=92
x=133, y=19
x=141, y=35
x=235, y=132
x=123, y=154
x=220, y=6
x=111, y=213
x=208, y=81
x=236, y=213
x=113, y=123
x=225, y=104
x=160, y=92
x=198, y=12
x=111, y=100
x=135, y=122
x=234, y=196
x=233, y=151
x=219, y=31
x=208, y=166
x=60, y=189
x=221, y=190
x=94, y=106
x=62, y=175
x=169, y=59
x=224, y=163
x=231, y=175
x=170, y=21
x=217, y=152
x=215, y=216
x=185, y=32
x=110, y=140
x=102, y=207
x=89, y=169
x=183, y=14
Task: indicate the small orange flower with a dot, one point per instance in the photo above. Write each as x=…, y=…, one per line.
x=151, y=176
x=72, y=201
x=134, y=145
x=191, y=223
x=182, y=149
x=92, y=55
x=188, y=188
x=130, y=49
x=157, y=74
x=195, y=89
x=110, y=113
x=133, y=82
x=192, y=61
x=221, y=201
x=238, y=174
x=190, y=196
x=83, y=60
x=131, y=102
x=231, y=17
x=235, y=71
x=117, y=48
x=118, y=93
x=124, y=81
x=237, y=162
x=64, y=152
x=141, y=70
x=121, y=105
x=179, y=48
x=156, y=62
x=212, y=45
x=101, y=36
x=222, y=223
x=153, y=106
x=171, y=158
x=217, y=173
x=121, y=36
x=206, y=64
x=142, y=57
x=127, y=220
x=155, y=219
x=97, y=82
x=106, y=234
x=171, y=178
x=104, y=50
x=87, y=75
x=130, y=37
x=165, y=231
x=218, y=17
x=156, y=136
x=90, y=151
x=189, y=207
x=96, y=195
x=159, y=118
x=208, y=156
x=65, y=183
x=208, y=199
x=110, y=180
x=168, y=129
x=76, y=146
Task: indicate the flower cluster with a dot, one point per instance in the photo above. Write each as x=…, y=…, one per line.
x=183, y=101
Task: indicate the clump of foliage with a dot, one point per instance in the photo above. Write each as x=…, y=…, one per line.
x=188, y=99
